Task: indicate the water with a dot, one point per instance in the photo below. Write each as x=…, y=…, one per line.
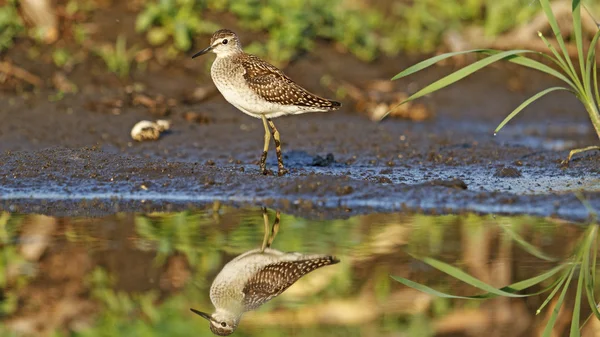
x=138, y=274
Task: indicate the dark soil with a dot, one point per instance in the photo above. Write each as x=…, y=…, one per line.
x=57, y=153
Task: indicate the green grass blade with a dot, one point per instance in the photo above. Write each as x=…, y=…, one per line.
x=428, y=290
x=431, y=61
x=531, y=249
x=558, y=59
x=596, y=90
x=561, y=281
x=537, y=279
x=576, y=13
x=518, y=286
x=589, y=67
x=556, y=30
x=526, y=103
x=533, y=64
x=577, y=307
x=517, y=59
x=550, y=325
x=464, y=72
x=588, y=267
x=466, y=278
x=458, y=75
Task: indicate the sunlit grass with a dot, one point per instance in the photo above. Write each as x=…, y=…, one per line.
x=581, y=81
x=580, y=267
x=118, y=58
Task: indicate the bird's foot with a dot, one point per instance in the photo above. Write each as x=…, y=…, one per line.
x=282, y=171
x=267, y=172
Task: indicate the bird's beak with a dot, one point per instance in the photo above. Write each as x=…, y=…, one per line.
x=201, y=314
x=203, y=51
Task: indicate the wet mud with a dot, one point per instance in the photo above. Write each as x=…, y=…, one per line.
x=75, y=155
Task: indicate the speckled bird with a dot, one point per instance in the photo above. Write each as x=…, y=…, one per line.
x=253, y=278
x=259, y=89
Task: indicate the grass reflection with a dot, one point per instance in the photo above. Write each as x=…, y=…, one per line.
x=138, y=275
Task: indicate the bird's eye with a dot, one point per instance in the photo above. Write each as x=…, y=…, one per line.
x=223, y=324
x=225, y=41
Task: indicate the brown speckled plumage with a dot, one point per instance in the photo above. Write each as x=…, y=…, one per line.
x=274, y=279
x=274, y=86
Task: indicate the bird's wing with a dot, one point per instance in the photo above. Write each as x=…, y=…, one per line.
x=274, y=86
x=275, y=278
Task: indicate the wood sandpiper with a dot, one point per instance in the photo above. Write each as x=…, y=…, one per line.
x=259, y=89
x=255, y=277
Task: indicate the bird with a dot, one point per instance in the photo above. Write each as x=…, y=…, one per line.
x=259, y=89
x=255, y=277
x=252, y=279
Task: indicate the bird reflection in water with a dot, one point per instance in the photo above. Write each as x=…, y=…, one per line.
x=255, y=277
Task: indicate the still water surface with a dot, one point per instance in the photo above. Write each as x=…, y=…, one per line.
x=139, y=274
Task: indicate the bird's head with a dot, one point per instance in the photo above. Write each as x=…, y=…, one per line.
x=223, y=43
x=221, y=323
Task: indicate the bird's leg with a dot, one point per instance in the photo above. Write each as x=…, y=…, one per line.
x=281, y=170
x=274, y=229
x=263, y=158
x=266, y=236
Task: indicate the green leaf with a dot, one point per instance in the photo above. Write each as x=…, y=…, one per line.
x=561, y=281
x=556, y=30
x=590, y=65
x=466, y=278
x=576, y=9
x=533, y=64
x=588, y=267
x=558, y=59
x=596, y=90
x=430, y=291
x=577, y=307
x=431, y=61
x=518, y=286
x=517, y=59
x=531, y=249
x=526, y=103
x=459, y=75
x=548, y=330
x=538, y=279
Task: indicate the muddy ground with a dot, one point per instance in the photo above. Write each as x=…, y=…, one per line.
x=55, y=153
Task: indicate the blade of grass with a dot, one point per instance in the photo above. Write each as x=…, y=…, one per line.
x=431, y=61
x=517, y=59
x=457, y=76
x=531, y=249
x=466, y=278
x=554, y=291
x=428, y=290
x=591, y=61
x=594, y=259
x=558, y=58
x=462, y=73
x=526, y=103
x=577, y=307
x=518, y=286
x=589, y=268
x=556, y=30
x=537, y=279
x=530, y=63
x=596, y=90
x=548, y=330
x=576, y=13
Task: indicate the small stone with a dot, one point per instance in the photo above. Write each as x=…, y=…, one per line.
x=508, y=172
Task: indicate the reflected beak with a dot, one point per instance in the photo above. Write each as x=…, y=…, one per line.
x=203, y=51
x=200, y=313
